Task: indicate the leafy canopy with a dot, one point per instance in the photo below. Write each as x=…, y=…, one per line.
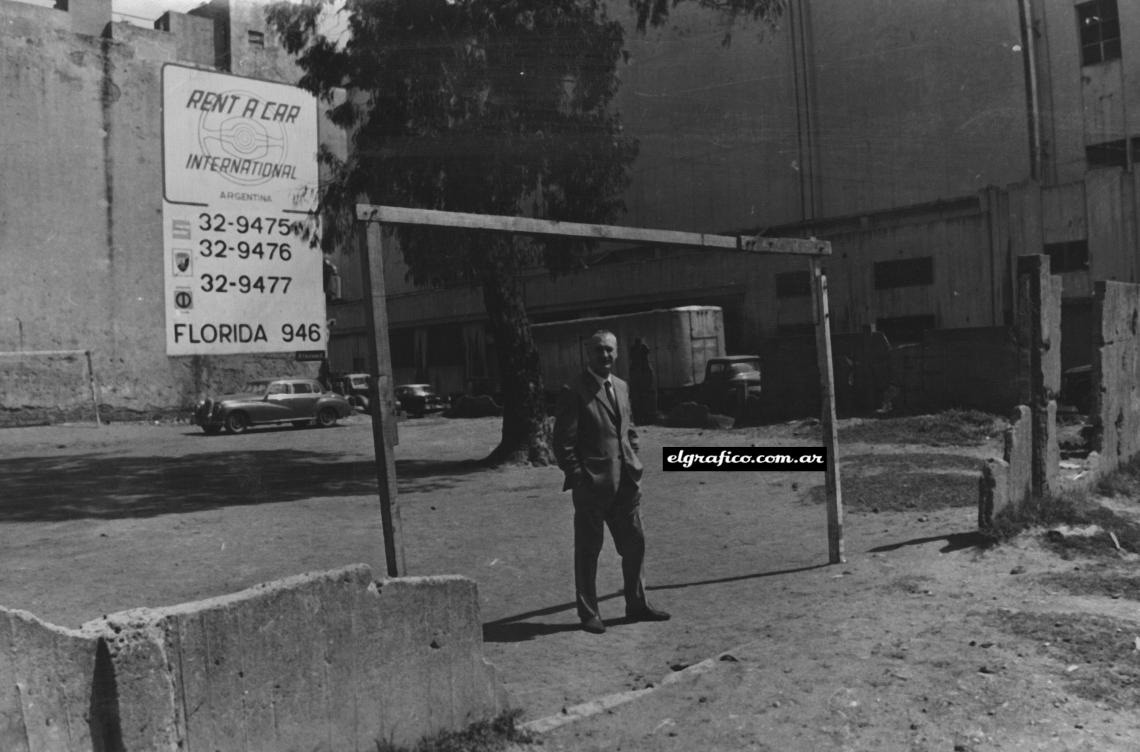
x=485, y=106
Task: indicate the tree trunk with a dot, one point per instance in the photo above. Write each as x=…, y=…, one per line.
x=526, y=435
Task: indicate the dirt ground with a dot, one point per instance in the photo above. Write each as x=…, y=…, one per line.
x=921, y=640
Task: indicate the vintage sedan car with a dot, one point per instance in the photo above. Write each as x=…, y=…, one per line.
x=417, y=400
x=295, y=401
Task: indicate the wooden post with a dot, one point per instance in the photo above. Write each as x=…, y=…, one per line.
x=94, y=388
x=834, y=494
x=374, y=239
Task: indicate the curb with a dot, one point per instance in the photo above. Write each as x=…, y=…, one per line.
x=601, y=704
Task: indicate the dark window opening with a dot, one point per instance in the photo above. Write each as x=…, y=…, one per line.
x=1108, y=154
x=445, y=345
x=401, y=346
x=903, y=329
x=904, y=273
x=1072, y=256
x=1098, y=25
x=256, y=39
x=793, y=284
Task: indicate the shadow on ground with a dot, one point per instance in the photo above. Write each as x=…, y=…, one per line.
x=516, y=628
x=954, y=542
x=102, y=486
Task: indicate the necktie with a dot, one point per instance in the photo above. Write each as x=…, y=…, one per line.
x=612, y=398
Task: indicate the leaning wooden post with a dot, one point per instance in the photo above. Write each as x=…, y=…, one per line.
x=822, y=319
x=94, y=388
x=380, y=365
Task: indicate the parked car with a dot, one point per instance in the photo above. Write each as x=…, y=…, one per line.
x=732, y=385
x=1076, y=388
x=417, y=400
x=356, y=388
x=299, y=402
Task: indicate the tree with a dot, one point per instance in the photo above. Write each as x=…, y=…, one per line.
x=484, y=106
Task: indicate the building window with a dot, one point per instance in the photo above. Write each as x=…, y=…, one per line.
x=793, y=284
x=903, y=329
x=1072, y=256
x=1108, y=154
x=904, y=273
x=1099, y=31
x=257, y=39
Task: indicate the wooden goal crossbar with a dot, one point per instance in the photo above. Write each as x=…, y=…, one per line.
x=529, y=226
x=372, y=244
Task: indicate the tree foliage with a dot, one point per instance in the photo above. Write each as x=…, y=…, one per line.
x=486, y=106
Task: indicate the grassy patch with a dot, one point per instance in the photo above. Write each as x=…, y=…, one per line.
x=911, y=584
x=1097, y=580
x=483, y=736
x=950, y=428
x=1076, y=509
x=906, y=482
x=1097, y=654
x=1124, y=481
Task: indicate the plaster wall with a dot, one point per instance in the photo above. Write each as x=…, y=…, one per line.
x=81, y=217
x=1116, y=373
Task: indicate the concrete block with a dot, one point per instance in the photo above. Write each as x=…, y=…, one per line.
x=1116, y=309
x=48, y=697
x=1018, y=454
x=1117, y=415
x=322, y=661
x=993, y=491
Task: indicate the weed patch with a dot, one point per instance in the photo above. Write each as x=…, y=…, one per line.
x=1124, y=481
x=949, y=428
x=917, y=481
x=1097, y=654
x=483, y=736
x=1073, y=509
x=1095, y=581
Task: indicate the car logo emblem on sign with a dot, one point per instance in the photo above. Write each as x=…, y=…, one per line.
x=183, y=299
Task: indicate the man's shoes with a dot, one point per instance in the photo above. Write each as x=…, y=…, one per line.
x=646, y=613
x=594, y=625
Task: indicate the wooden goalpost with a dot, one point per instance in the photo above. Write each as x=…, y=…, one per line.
x=373, y=241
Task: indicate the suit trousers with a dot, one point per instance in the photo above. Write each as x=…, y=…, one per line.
x=622, y=515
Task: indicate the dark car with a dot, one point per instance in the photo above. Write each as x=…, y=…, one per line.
x=417, y=400
x=356, y=388
x=732, y=384
x=299, y=402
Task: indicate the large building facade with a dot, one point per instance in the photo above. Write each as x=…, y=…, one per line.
x=931, y=142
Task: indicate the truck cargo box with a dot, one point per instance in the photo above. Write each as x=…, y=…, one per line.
x=680, y=341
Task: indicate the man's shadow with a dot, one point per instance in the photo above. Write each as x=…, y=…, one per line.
x=516, y=629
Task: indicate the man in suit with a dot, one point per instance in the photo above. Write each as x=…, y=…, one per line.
x=596, y=447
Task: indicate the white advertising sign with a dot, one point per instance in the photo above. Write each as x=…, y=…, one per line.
x=240, y=188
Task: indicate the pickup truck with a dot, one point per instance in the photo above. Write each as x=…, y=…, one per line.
x=731, y=385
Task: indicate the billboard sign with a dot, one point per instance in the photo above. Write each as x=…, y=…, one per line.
x=240, y=180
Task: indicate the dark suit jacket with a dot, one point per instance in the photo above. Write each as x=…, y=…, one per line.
x=590, y=442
